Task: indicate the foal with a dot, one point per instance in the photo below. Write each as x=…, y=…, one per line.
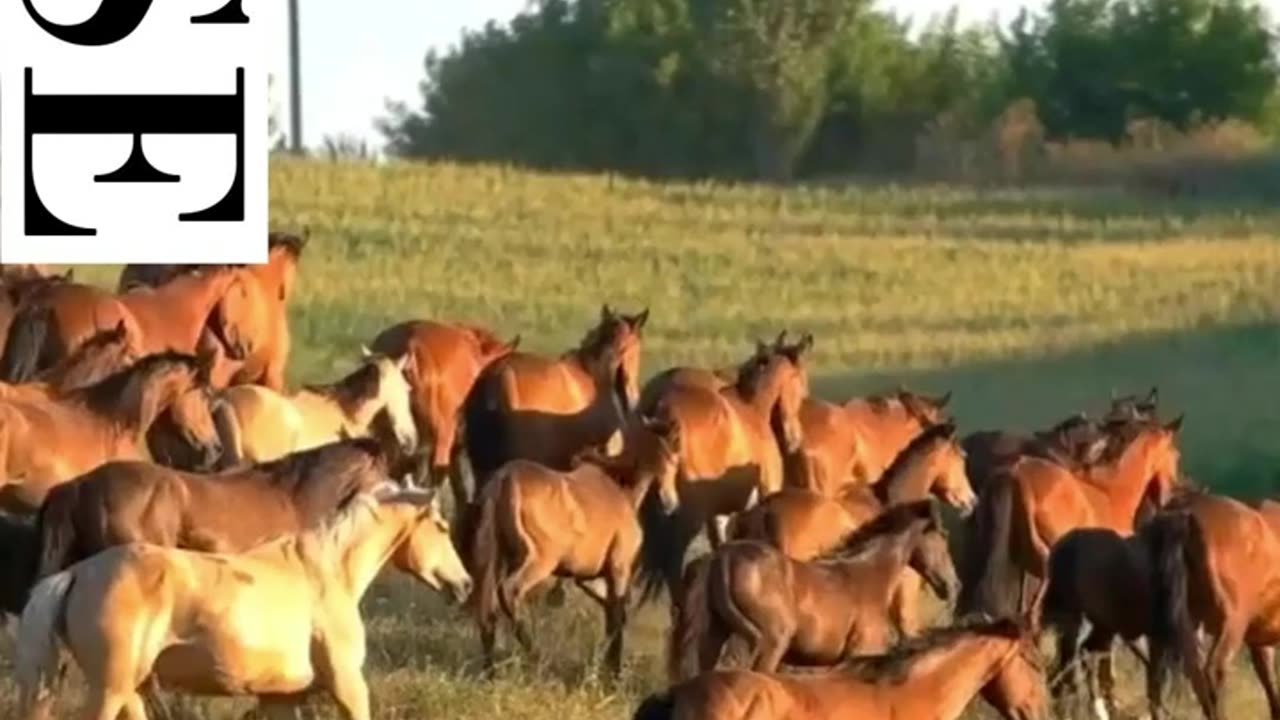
x=806, y=613
x=534, y=522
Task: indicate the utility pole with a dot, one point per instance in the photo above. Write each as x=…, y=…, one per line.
x=295, y=81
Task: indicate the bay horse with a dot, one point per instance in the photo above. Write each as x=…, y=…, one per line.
x=176, y=317
x=260, y=309
x=934, y=677
x=1223, y=580
x=549, y=408
x=106, y=352
x=19, y=285
x=886, y=422
x=444, y=361
x=804, y=524
x=278, y=621
x=806, y=613
x=258, y=424
x=535, y=522
x=1033, y=502
x=44, y=443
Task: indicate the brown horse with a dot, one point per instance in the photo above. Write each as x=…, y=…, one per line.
x=1034, y=502
x=19, y=285
x=535, y=522
x=932, y=678
x=444, y=362
x=804, y=524
x=886, y=422
x=547, y=409
x=44, y=443
x=1224, y=580
x=806, y=613
x=174, y=318
x=1105, y=578
x=107, y=352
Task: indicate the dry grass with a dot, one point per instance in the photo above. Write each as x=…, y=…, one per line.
x=1028, y=305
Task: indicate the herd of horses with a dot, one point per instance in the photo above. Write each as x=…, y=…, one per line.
x=176, y=518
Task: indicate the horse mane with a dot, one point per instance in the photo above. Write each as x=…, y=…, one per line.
x=289, y=242
x=105, y=396
x=930, y=435
x=74, y=371
x=895, y=665
x=894, y=520
x=353, y=389
x=329, y=460
x=1122, y=434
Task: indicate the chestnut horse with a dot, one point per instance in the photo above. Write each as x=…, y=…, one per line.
x=444, y=361
x=1034, y=502
x=804, y=524
x=547, y=409
x=806, y=613
x=1224, y=582
x=174, y=318
x=259, y=310
x=107, y=352
x=44, y=443
x=934, y=677
x=535, y=522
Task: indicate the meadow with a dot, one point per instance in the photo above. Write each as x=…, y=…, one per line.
x=1027, y=305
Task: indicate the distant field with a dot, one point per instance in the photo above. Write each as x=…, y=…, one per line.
x=1028, y=305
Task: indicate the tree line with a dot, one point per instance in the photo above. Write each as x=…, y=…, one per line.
x=776, y=89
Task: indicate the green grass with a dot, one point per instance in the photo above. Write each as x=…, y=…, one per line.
x=1028, y=305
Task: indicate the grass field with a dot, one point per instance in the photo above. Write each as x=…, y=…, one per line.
x=1027, y=305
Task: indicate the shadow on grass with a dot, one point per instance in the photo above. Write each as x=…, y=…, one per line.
x=1226, y=380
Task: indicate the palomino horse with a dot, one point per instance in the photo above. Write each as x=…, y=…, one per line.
x=547, y=409
x=259, y=310
x=1034, y=502
x=535, y=522
x=175, y=317
x=934, y=677
x=278, y=621
x=806, y=613
x=44, y=443
x=1223, y=578
x=804, y=524
x=260, y=424
x=731, y=456
x=444, y=361
x=1105, y=578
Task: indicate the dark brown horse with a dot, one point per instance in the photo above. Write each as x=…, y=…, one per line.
x=806, y=613
x=444, y=361
x=548, y=409
x=19, y=285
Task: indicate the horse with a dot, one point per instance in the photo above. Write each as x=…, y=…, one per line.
x=258, y=424
x=20, y=284
x=44, y=443
x=1033, y=502
x=653, y=392
x=1099, y=576
x=886, y=422
x=263, y=323
x=547, y=409
x=106, y=352
x=177, y=317
x=804, y=524
x=931, y=678
x=444, y=361
x=278, y=621
x=805, y=613
x=1224, y=580
x=535, y=522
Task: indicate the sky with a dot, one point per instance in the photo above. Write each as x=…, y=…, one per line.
x=352, y=62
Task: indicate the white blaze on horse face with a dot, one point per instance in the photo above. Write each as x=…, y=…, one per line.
x=393, y=394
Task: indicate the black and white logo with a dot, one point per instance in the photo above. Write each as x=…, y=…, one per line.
x=133, y=131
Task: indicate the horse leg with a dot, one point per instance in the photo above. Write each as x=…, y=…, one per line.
x=350, y=691
x=1221, y=652
x=1067, y=678
x=717, y=530
x=108, y=704
x=513, y=590
x=905, y=603
x=1263, y=659
x=615, y=621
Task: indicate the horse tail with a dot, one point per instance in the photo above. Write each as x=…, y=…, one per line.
x=483, y=551
x=55, y=531
x=227, y=425
x=1176, y=548
x=38, y=630
x=484, y=426
x=989, y=585
x=691, y=621
x=658, y=706
x=24, y=346
x=662, y=549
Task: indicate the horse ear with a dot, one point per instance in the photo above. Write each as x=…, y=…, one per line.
x=606, y=312
x=1153, y=396
x=1174, y=426
x=365, y=352
x=120, y=330
x=941, y=401
x=69, y=275
x=513, y=343
x=806, y=343
x=781, y=339
x=637, y=321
